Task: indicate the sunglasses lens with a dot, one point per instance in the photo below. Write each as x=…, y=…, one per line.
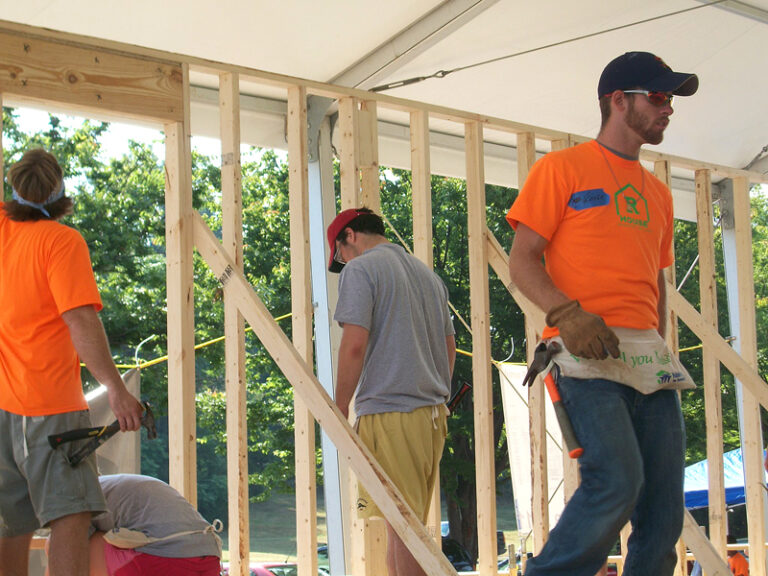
x=659, y=98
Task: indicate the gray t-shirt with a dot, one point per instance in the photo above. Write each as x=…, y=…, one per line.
x=404, y=306
x=151, y=506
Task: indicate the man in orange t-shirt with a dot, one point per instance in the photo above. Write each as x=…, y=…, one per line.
x=49, y=321
x=737, y=562
x=604, y=226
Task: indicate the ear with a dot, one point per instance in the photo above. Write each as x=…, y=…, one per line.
x=619, y=100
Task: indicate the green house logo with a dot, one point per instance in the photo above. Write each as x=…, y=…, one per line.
x=631, y=207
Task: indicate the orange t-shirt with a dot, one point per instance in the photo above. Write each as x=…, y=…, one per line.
x=738, y=564
x=609, y=226
x=45, y=270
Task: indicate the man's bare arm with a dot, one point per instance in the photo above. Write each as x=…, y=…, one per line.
x=354, y=342
x=450, y=344
x=90, y=341
x=526, y=269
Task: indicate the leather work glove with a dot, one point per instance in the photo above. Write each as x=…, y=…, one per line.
x=583, y=333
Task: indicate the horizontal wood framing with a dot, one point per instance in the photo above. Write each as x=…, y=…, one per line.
x=104, y=77
x=90, y=79
x=336, y=92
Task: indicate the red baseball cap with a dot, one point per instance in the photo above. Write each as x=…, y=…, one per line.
x=341, y=221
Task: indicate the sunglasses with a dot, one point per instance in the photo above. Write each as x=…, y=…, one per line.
x=337, y=255
x=656, y=98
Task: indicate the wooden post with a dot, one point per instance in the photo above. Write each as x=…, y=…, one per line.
x=710, y=364
x=570, y=465
x=481, y=350
x=182, y=459
x=301, y=305
x=526, y=157
x=368, y=140
x=234, y=327
x=751, y=442
x=662, y=171
x=421, y=201
x=349, y=161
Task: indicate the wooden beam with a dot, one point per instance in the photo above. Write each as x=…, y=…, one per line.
x=158, y=57
x=368, y=142
x=351, y=449
x=710, y=365
x=481, y=350
x=703, y=551
x=570, y=465
x=421, y=188
x=349, y=161
x=498, y=258
x=421, y=202
x=182, y=458
x=661, y=170
x=234, y=328
x=301, y=305
x=90, y=80
x=751, y=441
x=526, y=157
x=735, y=364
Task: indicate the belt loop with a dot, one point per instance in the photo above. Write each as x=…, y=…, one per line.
x=24, y=436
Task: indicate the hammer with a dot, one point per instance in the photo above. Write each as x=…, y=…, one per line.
x=542, y=365
x=98, y=435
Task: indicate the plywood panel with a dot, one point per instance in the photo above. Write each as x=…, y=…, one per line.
x=90, y=79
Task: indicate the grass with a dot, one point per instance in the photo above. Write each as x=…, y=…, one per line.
x=273, y=526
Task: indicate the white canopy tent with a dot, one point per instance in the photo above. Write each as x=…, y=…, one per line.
x=549, y=56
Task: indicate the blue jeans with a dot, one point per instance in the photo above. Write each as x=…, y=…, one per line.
x=632, y=469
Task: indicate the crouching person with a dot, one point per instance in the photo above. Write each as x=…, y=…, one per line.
x=150, y=529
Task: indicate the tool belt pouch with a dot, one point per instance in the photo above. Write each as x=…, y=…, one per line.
x=645, y=363
x=130, y=539
x=125, y=538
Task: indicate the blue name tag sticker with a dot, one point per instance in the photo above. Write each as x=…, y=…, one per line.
x=589, y=199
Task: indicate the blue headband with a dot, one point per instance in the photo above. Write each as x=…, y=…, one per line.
x=57, y=195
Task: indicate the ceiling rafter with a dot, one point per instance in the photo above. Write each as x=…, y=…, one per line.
x=410, y=42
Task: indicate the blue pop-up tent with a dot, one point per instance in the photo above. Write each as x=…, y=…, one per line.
x=696, y=482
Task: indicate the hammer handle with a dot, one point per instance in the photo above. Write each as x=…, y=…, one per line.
x=57, y=440
x=566, y=428
x=89, y=447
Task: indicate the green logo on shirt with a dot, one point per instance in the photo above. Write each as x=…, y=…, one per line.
x=631, y=207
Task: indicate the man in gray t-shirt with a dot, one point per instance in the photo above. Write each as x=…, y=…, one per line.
x=396, y=357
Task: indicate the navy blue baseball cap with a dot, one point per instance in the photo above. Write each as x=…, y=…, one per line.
x=644, y=71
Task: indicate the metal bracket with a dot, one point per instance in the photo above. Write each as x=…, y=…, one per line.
x=317, y=106
x=726, y=205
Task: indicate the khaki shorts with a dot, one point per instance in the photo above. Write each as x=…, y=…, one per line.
x=408, y=446
x=37, y=484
